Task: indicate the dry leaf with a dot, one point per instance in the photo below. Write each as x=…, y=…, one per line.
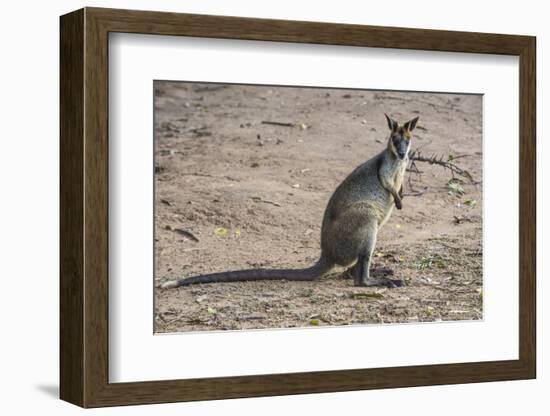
x=220, y=231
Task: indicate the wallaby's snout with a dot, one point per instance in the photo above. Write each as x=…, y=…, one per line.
x=400, y=137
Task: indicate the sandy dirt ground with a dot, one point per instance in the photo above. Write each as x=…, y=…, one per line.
x=232, y=192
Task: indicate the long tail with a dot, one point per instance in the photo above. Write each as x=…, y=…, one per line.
x=310, y=273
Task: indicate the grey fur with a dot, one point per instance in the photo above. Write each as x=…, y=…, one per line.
x=357, y=209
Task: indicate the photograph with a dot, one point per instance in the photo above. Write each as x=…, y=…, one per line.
x=301, y=207
x=276, y=187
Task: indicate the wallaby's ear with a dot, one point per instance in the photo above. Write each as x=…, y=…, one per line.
x=410, y=125
x=392, y=124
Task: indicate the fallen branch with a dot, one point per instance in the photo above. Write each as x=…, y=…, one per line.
x=416, y=156
x=205, y=175
x=414, y=169
x=186, y=234
x=461, y=219
x=278, y=123
x=253, y=317
x=416, y=193
x=265, y=201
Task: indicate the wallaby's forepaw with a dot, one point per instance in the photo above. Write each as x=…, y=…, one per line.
x=398, y=204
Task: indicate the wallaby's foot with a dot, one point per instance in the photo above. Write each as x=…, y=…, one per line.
x=378, y=272
x=362, y=276
x=391, y=283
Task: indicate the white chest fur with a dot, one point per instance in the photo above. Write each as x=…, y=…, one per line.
x=393, y=171
x=400, y=173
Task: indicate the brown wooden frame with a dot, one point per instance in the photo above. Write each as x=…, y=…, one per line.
x=84, y=207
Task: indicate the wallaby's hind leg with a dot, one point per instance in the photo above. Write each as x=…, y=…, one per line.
x=362, y=268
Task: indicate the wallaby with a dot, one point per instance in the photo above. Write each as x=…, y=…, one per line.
x=361, y=204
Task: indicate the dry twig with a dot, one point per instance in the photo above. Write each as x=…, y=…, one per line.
x=416, y=156
x=278, y=123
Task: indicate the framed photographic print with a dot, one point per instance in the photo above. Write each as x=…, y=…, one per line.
x=255, y=207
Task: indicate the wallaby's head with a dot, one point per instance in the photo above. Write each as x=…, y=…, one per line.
x=399, y=142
